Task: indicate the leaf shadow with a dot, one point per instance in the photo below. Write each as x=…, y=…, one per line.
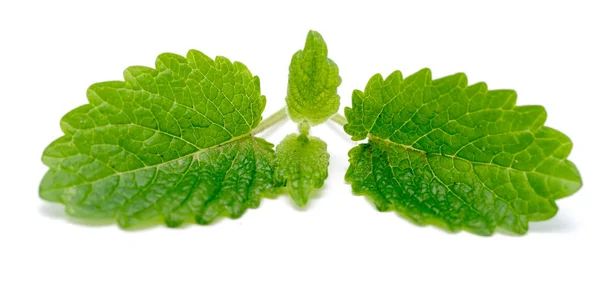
x=558, y=224
x=57, y=211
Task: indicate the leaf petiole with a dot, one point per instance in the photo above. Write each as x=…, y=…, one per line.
x=272, y=120
x=339, y=119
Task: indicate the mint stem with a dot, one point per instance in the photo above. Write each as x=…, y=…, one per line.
x=340, y=119
x=275, y=118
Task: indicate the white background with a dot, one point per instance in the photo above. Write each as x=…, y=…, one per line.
x=51, y=51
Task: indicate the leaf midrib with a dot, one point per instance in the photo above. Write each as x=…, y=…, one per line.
x=194, y=154
x=426, y=154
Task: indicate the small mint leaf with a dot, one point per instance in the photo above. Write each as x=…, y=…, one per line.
x=313, y=82
x=301, y=164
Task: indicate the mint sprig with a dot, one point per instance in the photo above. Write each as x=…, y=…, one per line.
x=178, y=143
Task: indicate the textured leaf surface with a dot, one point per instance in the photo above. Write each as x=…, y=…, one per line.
x=462, y=157
x=171, y=142
x=313, y=82
x=301, y=165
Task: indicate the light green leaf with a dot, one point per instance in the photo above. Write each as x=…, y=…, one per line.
x=462, y=157
x=313, y=81
x=301, y=165
x=172, y=142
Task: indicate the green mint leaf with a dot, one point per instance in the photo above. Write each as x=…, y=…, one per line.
x=313, y=81
x=172, y=142
x=301, y=165
x=462, y=157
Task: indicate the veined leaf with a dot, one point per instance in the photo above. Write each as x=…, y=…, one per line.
x=301, y=165
x=313, y=81
x=463, y=157
x=171, y=142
